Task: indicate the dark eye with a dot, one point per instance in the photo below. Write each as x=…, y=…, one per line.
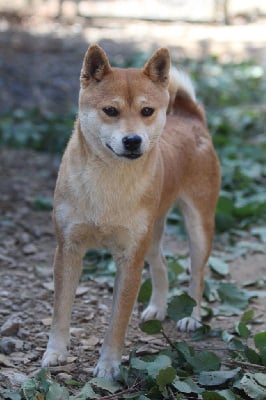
x=147, y=111
x=111, y=111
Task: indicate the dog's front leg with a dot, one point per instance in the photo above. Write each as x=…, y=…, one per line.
x=127, y=283
x=67, y=270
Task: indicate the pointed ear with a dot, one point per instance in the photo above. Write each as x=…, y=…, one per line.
x=158, y=66
x=95, y=65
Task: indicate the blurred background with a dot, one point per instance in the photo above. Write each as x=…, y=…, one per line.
x=42, y=42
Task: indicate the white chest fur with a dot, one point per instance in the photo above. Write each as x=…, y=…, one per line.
x=109, y=199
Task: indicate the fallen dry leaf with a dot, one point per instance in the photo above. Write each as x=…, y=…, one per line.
x=5, y=361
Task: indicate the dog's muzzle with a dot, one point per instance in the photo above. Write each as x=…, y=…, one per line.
x=132, y=147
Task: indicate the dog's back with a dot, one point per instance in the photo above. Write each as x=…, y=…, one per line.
x=187, y=145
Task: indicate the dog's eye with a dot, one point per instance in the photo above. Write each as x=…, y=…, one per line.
x=111, y=111
x=147, y=111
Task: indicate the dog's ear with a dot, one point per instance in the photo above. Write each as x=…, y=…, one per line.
x=157, y=68
x=95, y=65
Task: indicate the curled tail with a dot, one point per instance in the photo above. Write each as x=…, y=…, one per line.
x=182, y=96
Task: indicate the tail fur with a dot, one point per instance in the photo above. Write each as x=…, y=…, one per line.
x=183, y=97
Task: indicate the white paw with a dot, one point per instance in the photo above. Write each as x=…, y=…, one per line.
x=53, y=357
x=107, y=369
x=153, y=312
x=188, y=324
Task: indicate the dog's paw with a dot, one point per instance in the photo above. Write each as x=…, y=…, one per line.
x=153, y=312
x=188, y=324
x=53, y=357
x=107, y=369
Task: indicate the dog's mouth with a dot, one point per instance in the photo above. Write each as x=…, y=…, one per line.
x=132, y=155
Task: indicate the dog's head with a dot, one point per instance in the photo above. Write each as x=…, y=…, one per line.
x=122, y=112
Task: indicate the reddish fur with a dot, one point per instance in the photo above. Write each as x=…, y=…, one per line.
x=133, y=196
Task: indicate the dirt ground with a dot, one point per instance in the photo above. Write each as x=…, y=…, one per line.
x=43, y=70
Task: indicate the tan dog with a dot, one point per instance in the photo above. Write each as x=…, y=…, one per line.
x=140, y=144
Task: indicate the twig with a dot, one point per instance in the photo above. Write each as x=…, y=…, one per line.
x=169, y=341
x=171, y=394
x=117, y=395
x=245, y=364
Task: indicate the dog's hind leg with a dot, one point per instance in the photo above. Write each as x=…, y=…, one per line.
x=199, y=222
x=158, y=268
x=67, y=270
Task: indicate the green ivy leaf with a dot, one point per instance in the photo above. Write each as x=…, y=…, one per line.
x=263, y=356
x=260, y=232
x=151, y=327
x=43, y=203
x=205, y=361
x=260, y=341
x=175, y=266
x=242, y=330
x=182, y=386
x=203, y=332
x=29, y=389
x=247, y=317
x=166, y=376
x=228, y=394
x=219, y=266
x=180, y=307
x=160, y=362
x=252, y=356
x=212, y=396
x=217, y=378
x=154, y=368
x=105, y=384
x=145, y=292
x=9, y=395
x=233, y=296
x=86, y=393
x=186, y=386
x=57, y=392
x=186, y=351
x=254, y=385
x=44, y=379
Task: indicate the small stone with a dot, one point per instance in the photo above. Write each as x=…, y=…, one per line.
x=81, y=290
x=48, y=285
x=29, y=249
x=8, y=345
x=63, y=376
x=24, y=238
x=11, y=326
x=77, y=331
x=7, y=260
x=90, y=342
x=46, y=321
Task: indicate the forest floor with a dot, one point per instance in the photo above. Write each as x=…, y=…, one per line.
x=26, y=256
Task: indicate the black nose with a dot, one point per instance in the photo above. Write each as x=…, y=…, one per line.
x=132, y=142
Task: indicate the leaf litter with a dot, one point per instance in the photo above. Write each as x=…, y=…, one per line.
x=28, y=297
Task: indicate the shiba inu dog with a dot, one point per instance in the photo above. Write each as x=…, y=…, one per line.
x=140, y=144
